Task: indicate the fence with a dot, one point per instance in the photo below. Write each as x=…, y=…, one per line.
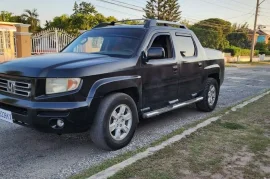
x=50, y=41
x=7, y=45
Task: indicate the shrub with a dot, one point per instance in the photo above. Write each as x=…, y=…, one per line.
x=261, y=46
x=236, y=51
x=265, y=52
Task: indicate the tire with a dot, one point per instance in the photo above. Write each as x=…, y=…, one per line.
x=206, y=104
x=109, y=114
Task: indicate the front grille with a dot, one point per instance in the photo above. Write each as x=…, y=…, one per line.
x=15, y=87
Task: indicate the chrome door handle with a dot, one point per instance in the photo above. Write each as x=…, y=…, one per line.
x=175, y=68
x=200, y=64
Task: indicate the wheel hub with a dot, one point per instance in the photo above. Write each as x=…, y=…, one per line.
x=211, y=95
x=120, y=122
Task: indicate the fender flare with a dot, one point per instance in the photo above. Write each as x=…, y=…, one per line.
x=106, y=85
x=213, y=69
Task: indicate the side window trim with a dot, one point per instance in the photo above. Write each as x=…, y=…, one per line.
x=172, y=45
x=177, y=34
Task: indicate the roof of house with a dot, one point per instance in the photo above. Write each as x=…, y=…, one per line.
x=8, y=23
x=7, y=27
x=259, y=32
x=10, y=26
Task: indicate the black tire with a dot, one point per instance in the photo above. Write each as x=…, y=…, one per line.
x=204, y=105
x=100, y=132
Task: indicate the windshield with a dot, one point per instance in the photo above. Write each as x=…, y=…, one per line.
x=112, y=41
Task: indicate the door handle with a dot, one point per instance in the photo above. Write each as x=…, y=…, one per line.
x=200, y=64
x=175, y=68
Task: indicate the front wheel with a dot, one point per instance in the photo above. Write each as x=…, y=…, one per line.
x=210, y=96
x=115, y=122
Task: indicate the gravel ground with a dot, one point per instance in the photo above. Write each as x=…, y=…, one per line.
x=27, y=154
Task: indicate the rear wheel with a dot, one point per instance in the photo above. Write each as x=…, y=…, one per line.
x=115, y=122
x=210, y=96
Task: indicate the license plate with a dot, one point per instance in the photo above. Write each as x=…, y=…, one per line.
x=6, y=115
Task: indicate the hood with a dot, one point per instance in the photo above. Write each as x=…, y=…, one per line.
x=58, y=65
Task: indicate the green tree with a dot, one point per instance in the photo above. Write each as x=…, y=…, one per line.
x=62, y=22
x=111, y=19
x=9, y=17
x=5, y=16
x=150, y=10
x=186, y=23
x=75, y=7
x=213, y=32
x=240, y=27
x=84, y=8
x=239, y=39
x=173, y=12
x=163, y=10
x=18, y=19
x=208, y=38
x=84, y=17
x=261, y=46
x=31, y=17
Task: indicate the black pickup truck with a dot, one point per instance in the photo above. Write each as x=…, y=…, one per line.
x=109, y=78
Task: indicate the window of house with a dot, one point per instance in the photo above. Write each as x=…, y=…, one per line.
x=7, y=39
x=164, y=41
x=186, y=46
x=1, y=43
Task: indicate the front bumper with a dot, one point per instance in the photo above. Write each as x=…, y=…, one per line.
x=40, y=115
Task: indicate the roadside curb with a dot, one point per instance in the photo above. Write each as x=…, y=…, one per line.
x=151, y=150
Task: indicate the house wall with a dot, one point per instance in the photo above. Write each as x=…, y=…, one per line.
x=251, y=35
x=267, y=40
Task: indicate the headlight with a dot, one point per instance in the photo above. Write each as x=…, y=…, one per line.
x=60, y=85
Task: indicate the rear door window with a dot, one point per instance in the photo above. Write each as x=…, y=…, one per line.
x=186, y=46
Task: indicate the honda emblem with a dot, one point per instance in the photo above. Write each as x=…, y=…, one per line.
x=11, y=86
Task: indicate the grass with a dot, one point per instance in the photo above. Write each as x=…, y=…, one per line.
x=236, y=146
x=93, y=170
x=108, y=163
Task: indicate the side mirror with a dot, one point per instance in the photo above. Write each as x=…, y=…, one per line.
x=155, y=53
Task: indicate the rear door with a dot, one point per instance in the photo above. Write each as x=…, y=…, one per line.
x=190, y=68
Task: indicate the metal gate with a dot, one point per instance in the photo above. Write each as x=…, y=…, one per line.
x=7, y=45
x=50, y=41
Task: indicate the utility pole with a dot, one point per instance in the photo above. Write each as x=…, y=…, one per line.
x=255, y=30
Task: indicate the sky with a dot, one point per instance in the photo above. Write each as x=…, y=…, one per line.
x=235, y=11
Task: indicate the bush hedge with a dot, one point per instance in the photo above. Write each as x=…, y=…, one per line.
x=265, y=52
x=236, y=51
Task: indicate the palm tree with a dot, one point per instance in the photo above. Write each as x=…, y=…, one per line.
x=31, y=17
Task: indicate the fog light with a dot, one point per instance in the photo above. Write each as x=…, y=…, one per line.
x=60, y=123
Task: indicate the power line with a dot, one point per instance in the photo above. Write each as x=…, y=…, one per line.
x=203, y=23
x=242, y=3
x=237, y=10
x=114, y=10
x=105, y=1
x=240, y=15
x=117, y=11
x=128, y=4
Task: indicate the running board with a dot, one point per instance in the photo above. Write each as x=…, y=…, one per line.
x=171, y=107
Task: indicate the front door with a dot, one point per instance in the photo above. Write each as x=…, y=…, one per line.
x=160, y=76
